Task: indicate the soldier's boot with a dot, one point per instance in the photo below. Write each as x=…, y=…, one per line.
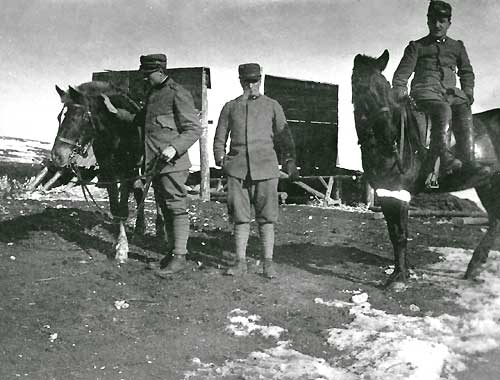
x=266, y=231
x=179, y=233
x=177, y=264
x=269, y=269
x=465, y=145
x=241, y=234
x=237, y=270
x=439, y=148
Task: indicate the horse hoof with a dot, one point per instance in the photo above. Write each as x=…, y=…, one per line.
x=397, y=286
x=474, y=269
x=397, y=281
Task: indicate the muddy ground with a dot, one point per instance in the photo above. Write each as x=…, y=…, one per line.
x=57, y=278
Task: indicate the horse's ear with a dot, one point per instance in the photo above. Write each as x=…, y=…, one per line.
x=62, y=94
x=76, y=96
x=382, y=60
x=356, y=59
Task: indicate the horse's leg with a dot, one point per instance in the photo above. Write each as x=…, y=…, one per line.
x=488, y=196
x=396, y=216
x=140, y=224
x=161, y=226
x=122, y=242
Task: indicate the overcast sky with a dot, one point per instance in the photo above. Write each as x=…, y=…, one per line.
x=48, y=42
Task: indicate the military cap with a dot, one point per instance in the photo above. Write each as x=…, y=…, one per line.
x=153, y=62
x=439, y=9
x=249, y=71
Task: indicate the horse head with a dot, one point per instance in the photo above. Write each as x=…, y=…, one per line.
x=76, y=126
x=374, y=107
x=85, y=108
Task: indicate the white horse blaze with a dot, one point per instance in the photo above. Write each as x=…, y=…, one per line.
x=402, y=195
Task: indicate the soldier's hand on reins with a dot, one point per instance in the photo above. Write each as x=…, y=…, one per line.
x=400, y=94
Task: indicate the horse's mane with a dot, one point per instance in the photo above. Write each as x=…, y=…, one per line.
x=364, y=60
x=118, y=97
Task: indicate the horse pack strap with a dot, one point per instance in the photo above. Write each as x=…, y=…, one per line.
x=402, y=134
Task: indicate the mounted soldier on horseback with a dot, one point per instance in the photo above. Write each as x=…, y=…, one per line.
x=436, y=60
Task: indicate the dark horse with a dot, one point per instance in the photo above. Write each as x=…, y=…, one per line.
x=89, y=118
x=394, y=153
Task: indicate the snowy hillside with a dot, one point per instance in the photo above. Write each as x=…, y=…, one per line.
x=23, y=151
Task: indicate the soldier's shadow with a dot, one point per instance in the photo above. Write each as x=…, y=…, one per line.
x=346, y=262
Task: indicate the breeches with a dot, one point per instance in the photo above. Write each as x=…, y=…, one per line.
x=171, y=192
x=263, y=195
x=442, y=114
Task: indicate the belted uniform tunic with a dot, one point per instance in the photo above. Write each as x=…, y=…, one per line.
x=435, y=64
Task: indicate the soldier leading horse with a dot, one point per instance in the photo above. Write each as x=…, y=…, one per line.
x=90, y=118
x=393, y=157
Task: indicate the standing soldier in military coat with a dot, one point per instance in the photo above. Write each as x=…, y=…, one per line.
x=436, y=60
x=256, y=124
x=171, y=125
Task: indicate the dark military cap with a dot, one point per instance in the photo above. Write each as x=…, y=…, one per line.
x=249, y=71
x=439, y=9
x=153, y=62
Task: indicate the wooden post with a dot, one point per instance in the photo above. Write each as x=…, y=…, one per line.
x=39, y=178
x=204, y=159
x=328, y=200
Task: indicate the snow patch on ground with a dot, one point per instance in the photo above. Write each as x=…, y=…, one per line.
x=377, y=345
x=382, y=345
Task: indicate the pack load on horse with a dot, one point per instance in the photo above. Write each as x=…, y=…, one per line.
x=89, y=118
x=395, y=156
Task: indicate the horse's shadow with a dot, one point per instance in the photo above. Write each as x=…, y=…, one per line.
x=90, y=231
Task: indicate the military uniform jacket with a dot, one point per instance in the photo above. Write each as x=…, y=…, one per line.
x=436, y=63
x=252, y=125
x=169, y=118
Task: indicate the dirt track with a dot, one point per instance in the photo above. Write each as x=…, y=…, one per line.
x=57, y=279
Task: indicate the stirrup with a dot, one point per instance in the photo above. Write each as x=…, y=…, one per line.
x=431, y=181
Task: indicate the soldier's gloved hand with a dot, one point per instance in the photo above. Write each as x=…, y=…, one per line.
x=471, y=98
x=291, y=170
x=400, y=94
x=219, y=161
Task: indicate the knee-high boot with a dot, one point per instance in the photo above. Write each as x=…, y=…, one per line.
x=439, y=148
x=464, y=135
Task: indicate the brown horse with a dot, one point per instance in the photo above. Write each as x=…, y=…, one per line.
x=394, y=157
x=88, y=119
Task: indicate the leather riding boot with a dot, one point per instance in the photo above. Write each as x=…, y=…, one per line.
x=465, y=144
x=449, y=163
x=439, y=147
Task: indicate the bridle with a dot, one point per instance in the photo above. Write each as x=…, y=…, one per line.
x=77, y=148
x=396, y=150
